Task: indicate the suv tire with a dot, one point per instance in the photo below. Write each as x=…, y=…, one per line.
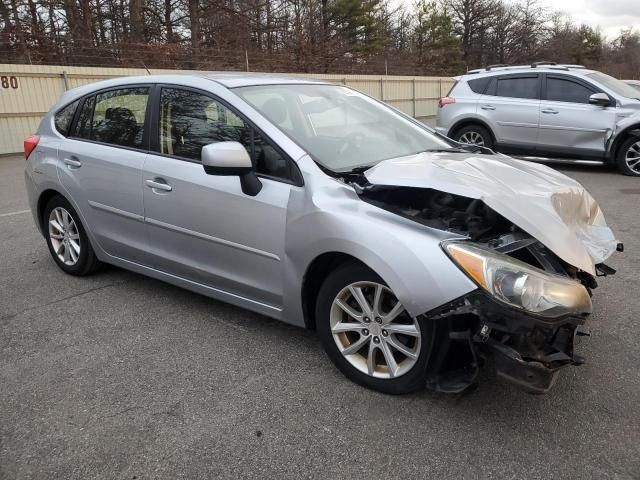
x=469, y=133
x=628, y=152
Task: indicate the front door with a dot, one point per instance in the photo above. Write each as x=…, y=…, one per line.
x=569, y=124
x=203, y=227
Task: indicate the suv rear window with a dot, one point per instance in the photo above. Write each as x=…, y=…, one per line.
x=479, y=85
x=64, y=118
x=517, y=87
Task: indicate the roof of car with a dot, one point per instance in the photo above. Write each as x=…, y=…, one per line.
x=245, y=79
x=227, y=79
x=532, y=68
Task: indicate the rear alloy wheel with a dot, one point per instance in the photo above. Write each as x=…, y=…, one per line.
x=474, y=135
x=369, y=335
x=628, y=160
x=67, y=239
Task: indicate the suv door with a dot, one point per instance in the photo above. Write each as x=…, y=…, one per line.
x=510, y=106
x=100, y=165
x=203, y=227
x=569, y=124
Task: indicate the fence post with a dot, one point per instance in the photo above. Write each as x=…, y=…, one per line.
x=414, y=96
x=65, y=80
x=382, y=89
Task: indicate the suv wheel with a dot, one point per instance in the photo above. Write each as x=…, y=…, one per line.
x=474, y=135
x=67, y=239
x=368, y=334
x=628, y=161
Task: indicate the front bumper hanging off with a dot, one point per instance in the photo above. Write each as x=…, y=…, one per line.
x=524, y=349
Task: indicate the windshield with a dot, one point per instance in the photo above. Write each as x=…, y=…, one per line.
x=616, y=86
x=341, y=128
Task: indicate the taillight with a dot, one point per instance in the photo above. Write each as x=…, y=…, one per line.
x=446, y=101
x=30, y=143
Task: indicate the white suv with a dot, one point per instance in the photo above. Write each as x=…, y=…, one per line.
x=544, y=109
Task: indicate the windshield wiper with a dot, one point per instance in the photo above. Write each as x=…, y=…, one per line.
x=444, y=150
x=361, y=169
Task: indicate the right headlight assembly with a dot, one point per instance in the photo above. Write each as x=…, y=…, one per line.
x=518, y=284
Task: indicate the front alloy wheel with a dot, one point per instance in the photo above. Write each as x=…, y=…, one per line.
x=369, y=335
x=629, y=157
x=372, y=330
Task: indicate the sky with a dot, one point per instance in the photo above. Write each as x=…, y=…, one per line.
x=609, y=15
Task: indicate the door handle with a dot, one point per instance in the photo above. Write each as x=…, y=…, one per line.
x=488, y=107
x=72, y=162
x=550, y=110
x=158, y=185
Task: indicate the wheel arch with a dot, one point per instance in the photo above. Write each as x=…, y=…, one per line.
x=315, y=274
x=465, y=122
x=43, y=199
x=620, y=138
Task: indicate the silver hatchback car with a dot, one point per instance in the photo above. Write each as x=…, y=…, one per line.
x=546, y=110
x=312, y=203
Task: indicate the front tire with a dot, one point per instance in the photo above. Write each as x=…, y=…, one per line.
x=474, y=135
x=628, y=159
x=368, y=334
x=67, y=239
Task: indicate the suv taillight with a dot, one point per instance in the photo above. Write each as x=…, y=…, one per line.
x=30, y=143
x=446, y=101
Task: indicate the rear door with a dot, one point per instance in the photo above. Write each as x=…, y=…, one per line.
x=510, y=106
x=569, y=124
x=100, y=165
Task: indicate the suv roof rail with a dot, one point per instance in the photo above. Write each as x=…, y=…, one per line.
x=574, y=66
x=488, y=69
x=539, y=64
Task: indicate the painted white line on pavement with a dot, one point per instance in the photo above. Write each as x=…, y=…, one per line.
x=14, y=213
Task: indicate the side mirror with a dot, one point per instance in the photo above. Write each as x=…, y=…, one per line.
x=601, y=99
x=231, y=158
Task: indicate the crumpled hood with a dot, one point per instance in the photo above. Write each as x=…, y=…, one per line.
x=551, y=207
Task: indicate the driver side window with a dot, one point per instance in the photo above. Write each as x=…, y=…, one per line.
x=190, y=120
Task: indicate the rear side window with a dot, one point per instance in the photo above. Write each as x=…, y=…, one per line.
x=517, y=87
x=479, y=85
x=64, y=118
x=564, y=90
x=115, y=117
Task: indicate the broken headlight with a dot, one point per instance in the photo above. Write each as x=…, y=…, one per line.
x=518, y=284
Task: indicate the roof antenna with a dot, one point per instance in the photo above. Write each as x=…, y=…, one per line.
x=145, y=67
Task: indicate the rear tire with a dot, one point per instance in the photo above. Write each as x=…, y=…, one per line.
x=67, y=239
x=474, y=135
x=371, y=350
x=628, y=158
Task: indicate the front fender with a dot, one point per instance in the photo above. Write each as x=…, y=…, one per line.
x=405, y=254
x=627, y=126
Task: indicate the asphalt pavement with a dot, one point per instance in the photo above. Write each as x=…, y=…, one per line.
x=119, y=376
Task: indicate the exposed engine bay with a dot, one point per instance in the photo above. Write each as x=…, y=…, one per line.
x=472, y=218
x=523, y=348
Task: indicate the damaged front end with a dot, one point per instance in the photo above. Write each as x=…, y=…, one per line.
x=529, y=306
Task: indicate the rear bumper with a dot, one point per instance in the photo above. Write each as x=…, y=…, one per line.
x=527, y=351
